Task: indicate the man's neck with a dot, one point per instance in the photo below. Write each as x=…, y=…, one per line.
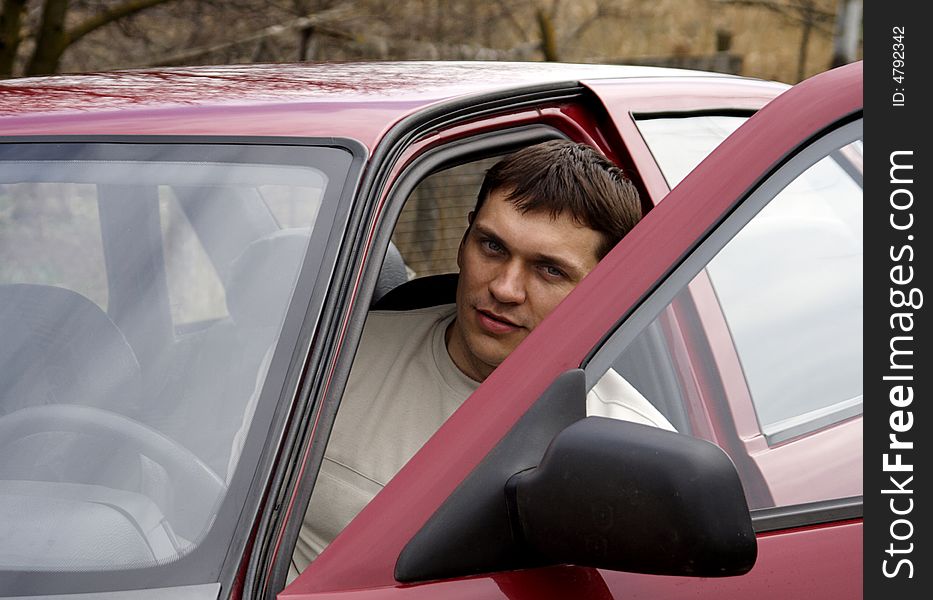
x=462, y=358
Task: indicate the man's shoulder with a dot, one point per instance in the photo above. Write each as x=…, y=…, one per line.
x=410, y=321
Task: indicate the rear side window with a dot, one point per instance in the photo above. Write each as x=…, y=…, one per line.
x=431, y=225
x=679, y=144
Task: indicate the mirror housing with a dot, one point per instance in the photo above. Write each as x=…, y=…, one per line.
x=562, y=488
x=629, y=497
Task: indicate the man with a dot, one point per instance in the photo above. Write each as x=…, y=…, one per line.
x=544, y=217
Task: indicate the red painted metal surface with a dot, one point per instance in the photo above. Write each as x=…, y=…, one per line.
x=553, y=583
x=838, y=472
x=364, y=123
x=364, y=555
x=362, y=102
x=359, y=101
x=817, y=562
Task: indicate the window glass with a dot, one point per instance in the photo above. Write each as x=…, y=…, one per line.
x=790, y=287
x=761, y=351
x=679, y=144
x=122, y=424
x=434, y=218
x=291, y=205
x=194, y=288
x=50, y=235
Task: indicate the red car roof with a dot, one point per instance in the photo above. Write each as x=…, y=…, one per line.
x=356, y=100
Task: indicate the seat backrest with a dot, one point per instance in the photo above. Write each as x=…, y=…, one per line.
x=219, y=379
x=393, y=273
x=262, y=277
x=58, y=347
x=423, y=292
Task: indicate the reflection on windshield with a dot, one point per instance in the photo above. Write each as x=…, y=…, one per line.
x=140, y=302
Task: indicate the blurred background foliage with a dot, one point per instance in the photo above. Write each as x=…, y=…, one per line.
x=785, y=40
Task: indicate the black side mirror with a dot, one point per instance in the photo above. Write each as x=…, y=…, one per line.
x=591, y=492
x=628, y=497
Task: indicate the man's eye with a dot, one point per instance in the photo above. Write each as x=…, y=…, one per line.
x=553, y=272
x=492, y=246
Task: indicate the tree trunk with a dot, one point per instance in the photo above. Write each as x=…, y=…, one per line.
x=11, y=19
x=306, y=44
x=846, y=33
x=548, y=37
x=51, y=39
x=808, y=22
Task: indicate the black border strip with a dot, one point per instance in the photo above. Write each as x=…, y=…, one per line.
x=700, y=112
x=804, y=515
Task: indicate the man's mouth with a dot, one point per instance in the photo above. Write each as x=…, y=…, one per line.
x=494, y=323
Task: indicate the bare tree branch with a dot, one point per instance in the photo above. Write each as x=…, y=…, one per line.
x=793, y=11
x=320, y=22
x=603, y=11
x=109, y=15
x=506, y=11
x=796, y=13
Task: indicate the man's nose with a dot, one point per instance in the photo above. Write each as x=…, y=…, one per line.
x=508, y=286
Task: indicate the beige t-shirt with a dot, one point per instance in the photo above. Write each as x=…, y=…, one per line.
x=402, y=388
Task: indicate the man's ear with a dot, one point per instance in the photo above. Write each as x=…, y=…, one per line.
x=470, y=216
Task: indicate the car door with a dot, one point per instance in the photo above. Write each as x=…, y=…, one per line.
x=761, y=346
x=619, y=300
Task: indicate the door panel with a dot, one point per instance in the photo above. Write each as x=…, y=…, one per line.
x=777, y=297
x=785, y=569
x=553, y=583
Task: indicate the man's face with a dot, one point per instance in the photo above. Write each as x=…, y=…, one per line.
x=514, y=270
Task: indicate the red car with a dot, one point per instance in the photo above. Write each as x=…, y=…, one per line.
x=189, y=256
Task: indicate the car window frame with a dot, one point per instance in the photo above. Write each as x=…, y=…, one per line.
x=455, y=153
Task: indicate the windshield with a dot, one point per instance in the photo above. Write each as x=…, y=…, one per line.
x=142, y=292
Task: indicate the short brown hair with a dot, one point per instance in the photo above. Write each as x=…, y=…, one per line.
x=560, y=175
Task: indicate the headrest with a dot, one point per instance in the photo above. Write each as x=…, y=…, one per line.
x=392, y=274
x=59, y=347
x=263, y=277
x=432, y=290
